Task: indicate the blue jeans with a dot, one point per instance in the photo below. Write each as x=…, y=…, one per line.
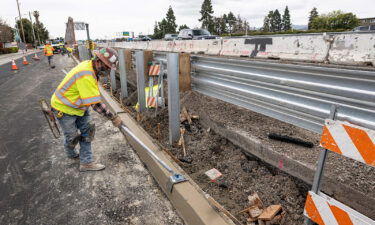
x=69, y=125
x=50, y=59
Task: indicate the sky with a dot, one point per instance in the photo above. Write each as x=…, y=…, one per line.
x=107, y=17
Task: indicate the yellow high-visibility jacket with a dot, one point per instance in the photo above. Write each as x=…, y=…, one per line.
x=78, y=90
x=48, y=50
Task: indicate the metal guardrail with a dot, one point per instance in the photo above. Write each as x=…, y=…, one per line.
x=296, y=94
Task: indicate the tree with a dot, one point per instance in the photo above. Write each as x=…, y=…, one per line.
x=27, y=29
x=6, y=32
x=231, y=20
x=271, y=21
x=40, y=31
x=206, y=15
x=335, y=20
x=183, y=26
x=266, y=24
x=286, y=24
x=313, y=14
x=276, y=21
x=171, y=25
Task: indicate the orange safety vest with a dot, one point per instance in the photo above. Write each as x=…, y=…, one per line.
x=78, y=90
x=48, y=50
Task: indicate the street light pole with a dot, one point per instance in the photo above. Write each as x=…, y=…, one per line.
x=32, y=27
x=19, y=12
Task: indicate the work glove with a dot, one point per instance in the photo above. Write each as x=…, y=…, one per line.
x=116, y=121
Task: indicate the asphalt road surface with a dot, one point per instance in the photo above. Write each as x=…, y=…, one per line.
x=39, y=185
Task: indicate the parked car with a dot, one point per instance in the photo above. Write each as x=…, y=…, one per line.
x=170, y=37
x=364, y=28
x=142, y=38
x=195, y=34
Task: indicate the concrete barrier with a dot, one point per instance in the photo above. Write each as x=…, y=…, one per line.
x=141, y=45
x=235, y=47
x=214, y=47
x=155, y=45
x=312, y=48
x=353, y=49
x=340, y=48
x=183, y=46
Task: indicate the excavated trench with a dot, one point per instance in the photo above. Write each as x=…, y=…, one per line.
x=243, y=173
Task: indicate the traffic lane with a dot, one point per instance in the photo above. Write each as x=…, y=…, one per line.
x=7, y=73
x=39, y=185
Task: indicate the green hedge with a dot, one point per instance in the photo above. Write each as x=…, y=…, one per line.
x=8, y=50
x=13, y=49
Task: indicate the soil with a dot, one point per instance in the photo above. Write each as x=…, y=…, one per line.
x=242, y=174
x=347, y=171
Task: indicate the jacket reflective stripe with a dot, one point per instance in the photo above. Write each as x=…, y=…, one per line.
x=92, y=100
x=65, y=101
x=74, y=78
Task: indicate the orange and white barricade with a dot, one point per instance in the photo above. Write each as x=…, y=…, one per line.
x=349, y=140
x=154, y=70
x=152, y=97
x=353, y=142
x=151, y=102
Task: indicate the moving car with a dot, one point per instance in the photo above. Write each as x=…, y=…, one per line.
x=142, y=38
x=170, y=37
x=195, y=34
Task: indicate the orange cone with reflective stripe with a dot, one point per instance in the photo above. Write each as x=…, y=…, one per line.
x=14, y=66
x=36, y=57
x=25, y=62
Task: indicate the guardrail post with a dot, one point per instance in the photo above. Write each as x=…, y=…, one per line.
x=139, y=60
x=184, y=70
x=123, y=75
x=128, y=60
x=173, y=97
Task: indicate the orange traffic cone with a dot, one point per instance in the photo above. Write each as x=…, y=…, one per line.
x=14, y=66
x=25, y=62
x=36, y=57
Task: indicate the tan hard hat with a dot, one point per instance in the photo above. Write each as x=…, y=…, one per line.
x=108, y=56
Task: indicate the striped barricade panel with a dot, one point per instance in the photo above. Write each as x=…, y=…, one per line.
x=349, y=140
x=154, y=70
x=151, y=102
x=324, y=210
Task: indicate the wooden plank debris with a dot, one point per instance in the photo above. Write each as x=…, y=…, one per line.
x=270, y=212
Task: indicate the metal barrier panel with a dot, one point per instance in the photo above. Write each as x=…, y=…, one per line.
x=296, y=94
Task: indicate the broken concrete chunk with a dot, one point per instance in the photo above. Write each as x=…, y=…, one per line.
x=254, y=200
x=255, y=211
x=270, y=212
x=213, y=174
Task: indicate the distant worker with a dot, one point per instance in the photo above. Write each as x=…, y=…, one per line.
x=71, y=101
x=48, y=51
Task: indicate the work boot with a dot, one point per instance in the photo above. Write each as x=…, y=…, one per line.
x=74, y=157
x=93, y=166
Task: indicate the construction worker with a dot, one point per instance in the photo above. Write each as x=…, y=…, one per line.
x=70, y=103
x=48, y=51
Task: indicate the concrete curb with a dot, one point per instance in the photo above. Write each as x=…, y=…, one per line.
x=188, y=199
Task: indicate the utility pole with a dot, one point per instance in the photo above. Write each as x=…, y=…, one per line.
x=19, y=12
x=88, y=38
x=32, y=27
